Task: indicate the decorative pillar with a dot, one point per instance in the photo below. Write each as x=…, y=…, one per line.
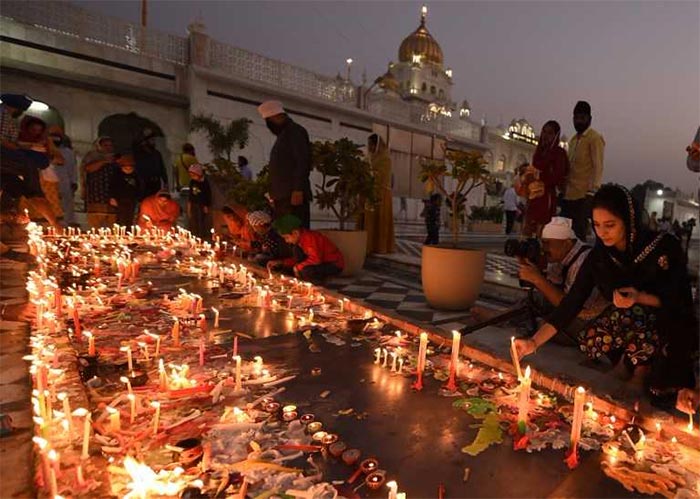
x=199, y=44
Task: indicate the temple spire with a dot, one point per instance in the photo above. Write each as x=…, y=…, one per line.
x=423, y=14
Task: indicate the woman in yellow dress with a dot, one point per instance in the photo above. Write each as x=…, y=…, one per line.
x=379, y=218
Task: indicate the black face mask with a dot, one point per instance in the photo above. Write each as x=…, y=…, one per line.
x=274, y=127
x=581, y=126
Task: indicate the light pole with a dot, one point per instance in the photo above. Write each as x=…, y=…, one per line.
x=348, y=63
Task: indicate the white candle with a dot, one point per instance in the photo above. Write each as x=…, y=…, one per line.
x=393, y=489
x=422, y=352
x=577, y=422
x=400, y=365
x=129, y=359
x=176, y=333
x=237, y=360
x=385, y=352
x=290, y=299
x=63, y=397
x=216, y=317
x=394, y=355
x=342, y=306
x=163, y=378
x=524, y=402
x=514, y=357
x=53, y=484
x=156, y=420
x=454, y=362
x=86, y=436
x=132, y=407
x=126, y=381
x=377, y=355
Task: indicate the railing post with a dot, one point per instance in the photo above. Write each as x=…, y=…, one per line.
x=199, y=44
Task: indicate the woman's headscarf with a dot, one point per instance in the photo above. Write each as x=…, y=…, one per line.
x=617, y=200
x=543, y=148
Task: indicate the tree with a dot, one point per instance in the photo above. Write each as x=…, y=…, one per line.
x=346, y=179
x=467, y=168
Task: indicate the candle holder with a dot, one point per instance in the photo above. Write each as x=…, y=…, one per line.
x=289, y=416
x=336, y=449
x=319, y=436
x=369, y=465
x=313, y=427
x=191, y=453
x=138, y=378
x=307, y=418
x=351, y=456
x=375, y=479
x=272, y=407
x=329, y=439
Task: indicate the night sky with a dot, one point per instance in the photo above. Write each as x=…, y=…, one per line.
x=636, y=62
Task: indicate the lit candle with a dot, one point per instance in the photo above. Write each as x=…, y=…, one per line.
x=156, y=420
x=76, y=324
x=63, y=397
x=163, y=377
x=115, y=423
x=237, y=360
x=86, y=436
x=454, y=361
x=126, y=381
x=577, y=422
x=377, y=355
x=515, y=358
x=144, y=347
x=201, y=351
x=420, y=367
x=129, y=359
x=524, y=402
x=290, y=298
x=176, y=333
x=385, y=352
x=53, y=484
x=690, y=422
x=91, y=343
x=119, y=281
x=235, y=345
x=132, y=406
x=393, y=489
x=79, y=475
x=394, y=355
x=216, y=317
x=400, y=365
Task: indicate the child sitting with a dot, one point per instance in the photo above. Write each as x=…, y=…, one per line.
x=268, y=244
x=315, y=256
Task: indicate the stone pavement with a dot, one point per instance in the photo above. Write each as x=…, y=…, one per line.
x=16, y=453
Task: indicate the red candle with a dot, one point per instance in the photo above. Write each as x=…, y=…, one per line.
x=76, y=320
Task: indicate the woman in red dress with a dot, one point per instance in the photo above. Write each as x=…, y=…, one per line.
x=543, y=178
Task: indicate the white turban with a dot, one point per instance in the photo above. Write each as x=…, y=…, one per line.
x=270, y=108
x=558, y=228
x=257, y=218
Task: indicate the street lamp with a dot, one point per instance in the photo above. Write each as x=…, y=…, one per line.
x=660, y=192
x=348, y=61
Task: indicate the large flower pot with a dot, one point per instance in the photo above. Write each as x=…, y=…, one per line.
x=452, y=277
x=352, y=244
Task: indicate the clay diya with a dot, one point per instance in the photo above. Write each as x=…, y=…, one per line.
x=307, y=418
x=375, y=479
x=351, y=456
x=337, y=448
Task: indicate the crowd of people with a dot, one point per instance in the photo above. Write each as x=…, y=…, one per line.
x=626, y=297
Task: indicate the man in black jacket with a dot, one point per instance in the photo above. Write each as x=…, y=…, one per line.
x=290, y=163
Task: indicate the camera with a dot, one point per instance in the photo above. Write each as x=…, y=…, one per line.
x=527, y=248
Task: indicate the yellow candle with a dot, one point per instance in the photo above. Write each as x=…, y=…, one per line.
x=115, y=423
x=216, y=317
x=422, y=352
x=86, y=436
x=524, y=402
x=91, y=343
x=156, y=420
x=126, y=381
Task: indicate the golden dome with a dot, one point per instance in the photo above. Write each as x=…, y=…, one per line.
x=421, y=43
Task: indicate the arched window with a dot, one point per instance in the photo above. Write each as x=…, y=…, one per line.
x=441, y=94
x=432, y=89
x=500, y=164
x=423, y=87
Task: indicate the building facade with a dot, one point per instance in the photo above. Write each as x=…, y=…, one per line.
x=102, y=75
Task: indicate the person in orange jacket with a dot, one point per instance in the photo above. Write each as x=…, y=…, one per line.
x=158, y=211
x=315, y=256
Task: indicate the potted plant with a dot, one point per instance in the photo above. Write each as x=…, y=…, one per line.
x=452, y=276
x=346, y=185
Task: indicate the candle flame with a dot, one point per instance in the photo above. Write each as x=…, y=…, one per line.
x=147, y=483
x=527, y=372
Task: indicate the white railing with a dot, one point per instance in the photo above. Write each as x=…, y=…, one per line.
x=233, y=60
x=70, y=20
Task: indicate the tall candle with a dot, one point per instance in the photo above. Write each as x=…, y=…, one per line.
x=400, y=365
x=422, y=353
x=524, y=402
x=163, y=377
x=86, y=436
x=79, y=475
x=156, y=420
x=385, y=352
x=176, y=333
x=514, y=357
x=216, y=317
x=577, y=422
x=454, y=360
x=393, y=489
x=63, y=397
x=132, y=407
x=394, y=355
x=76, y=324
x=53, y=484
x=235, y=345
x=129, y=358
x=237, y=360
x=377, y=355
x=126, y=381
x=201, y=351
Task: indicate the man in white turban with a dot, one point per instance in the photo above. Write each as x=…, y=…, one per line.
x=565, y=255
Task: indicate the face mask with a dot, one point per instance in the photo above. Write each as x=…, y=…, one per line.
x=56, y=141
x=273, y=127
x=581, y=126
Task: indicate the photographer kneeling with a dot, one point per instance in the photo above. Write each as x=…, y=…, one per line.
x=564, y=255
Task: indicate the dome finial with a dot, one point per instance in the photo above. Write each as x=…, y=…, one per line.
x=423, y=14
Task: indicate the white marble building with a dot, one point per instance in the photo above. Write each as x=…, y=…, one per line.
x=93, y=69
